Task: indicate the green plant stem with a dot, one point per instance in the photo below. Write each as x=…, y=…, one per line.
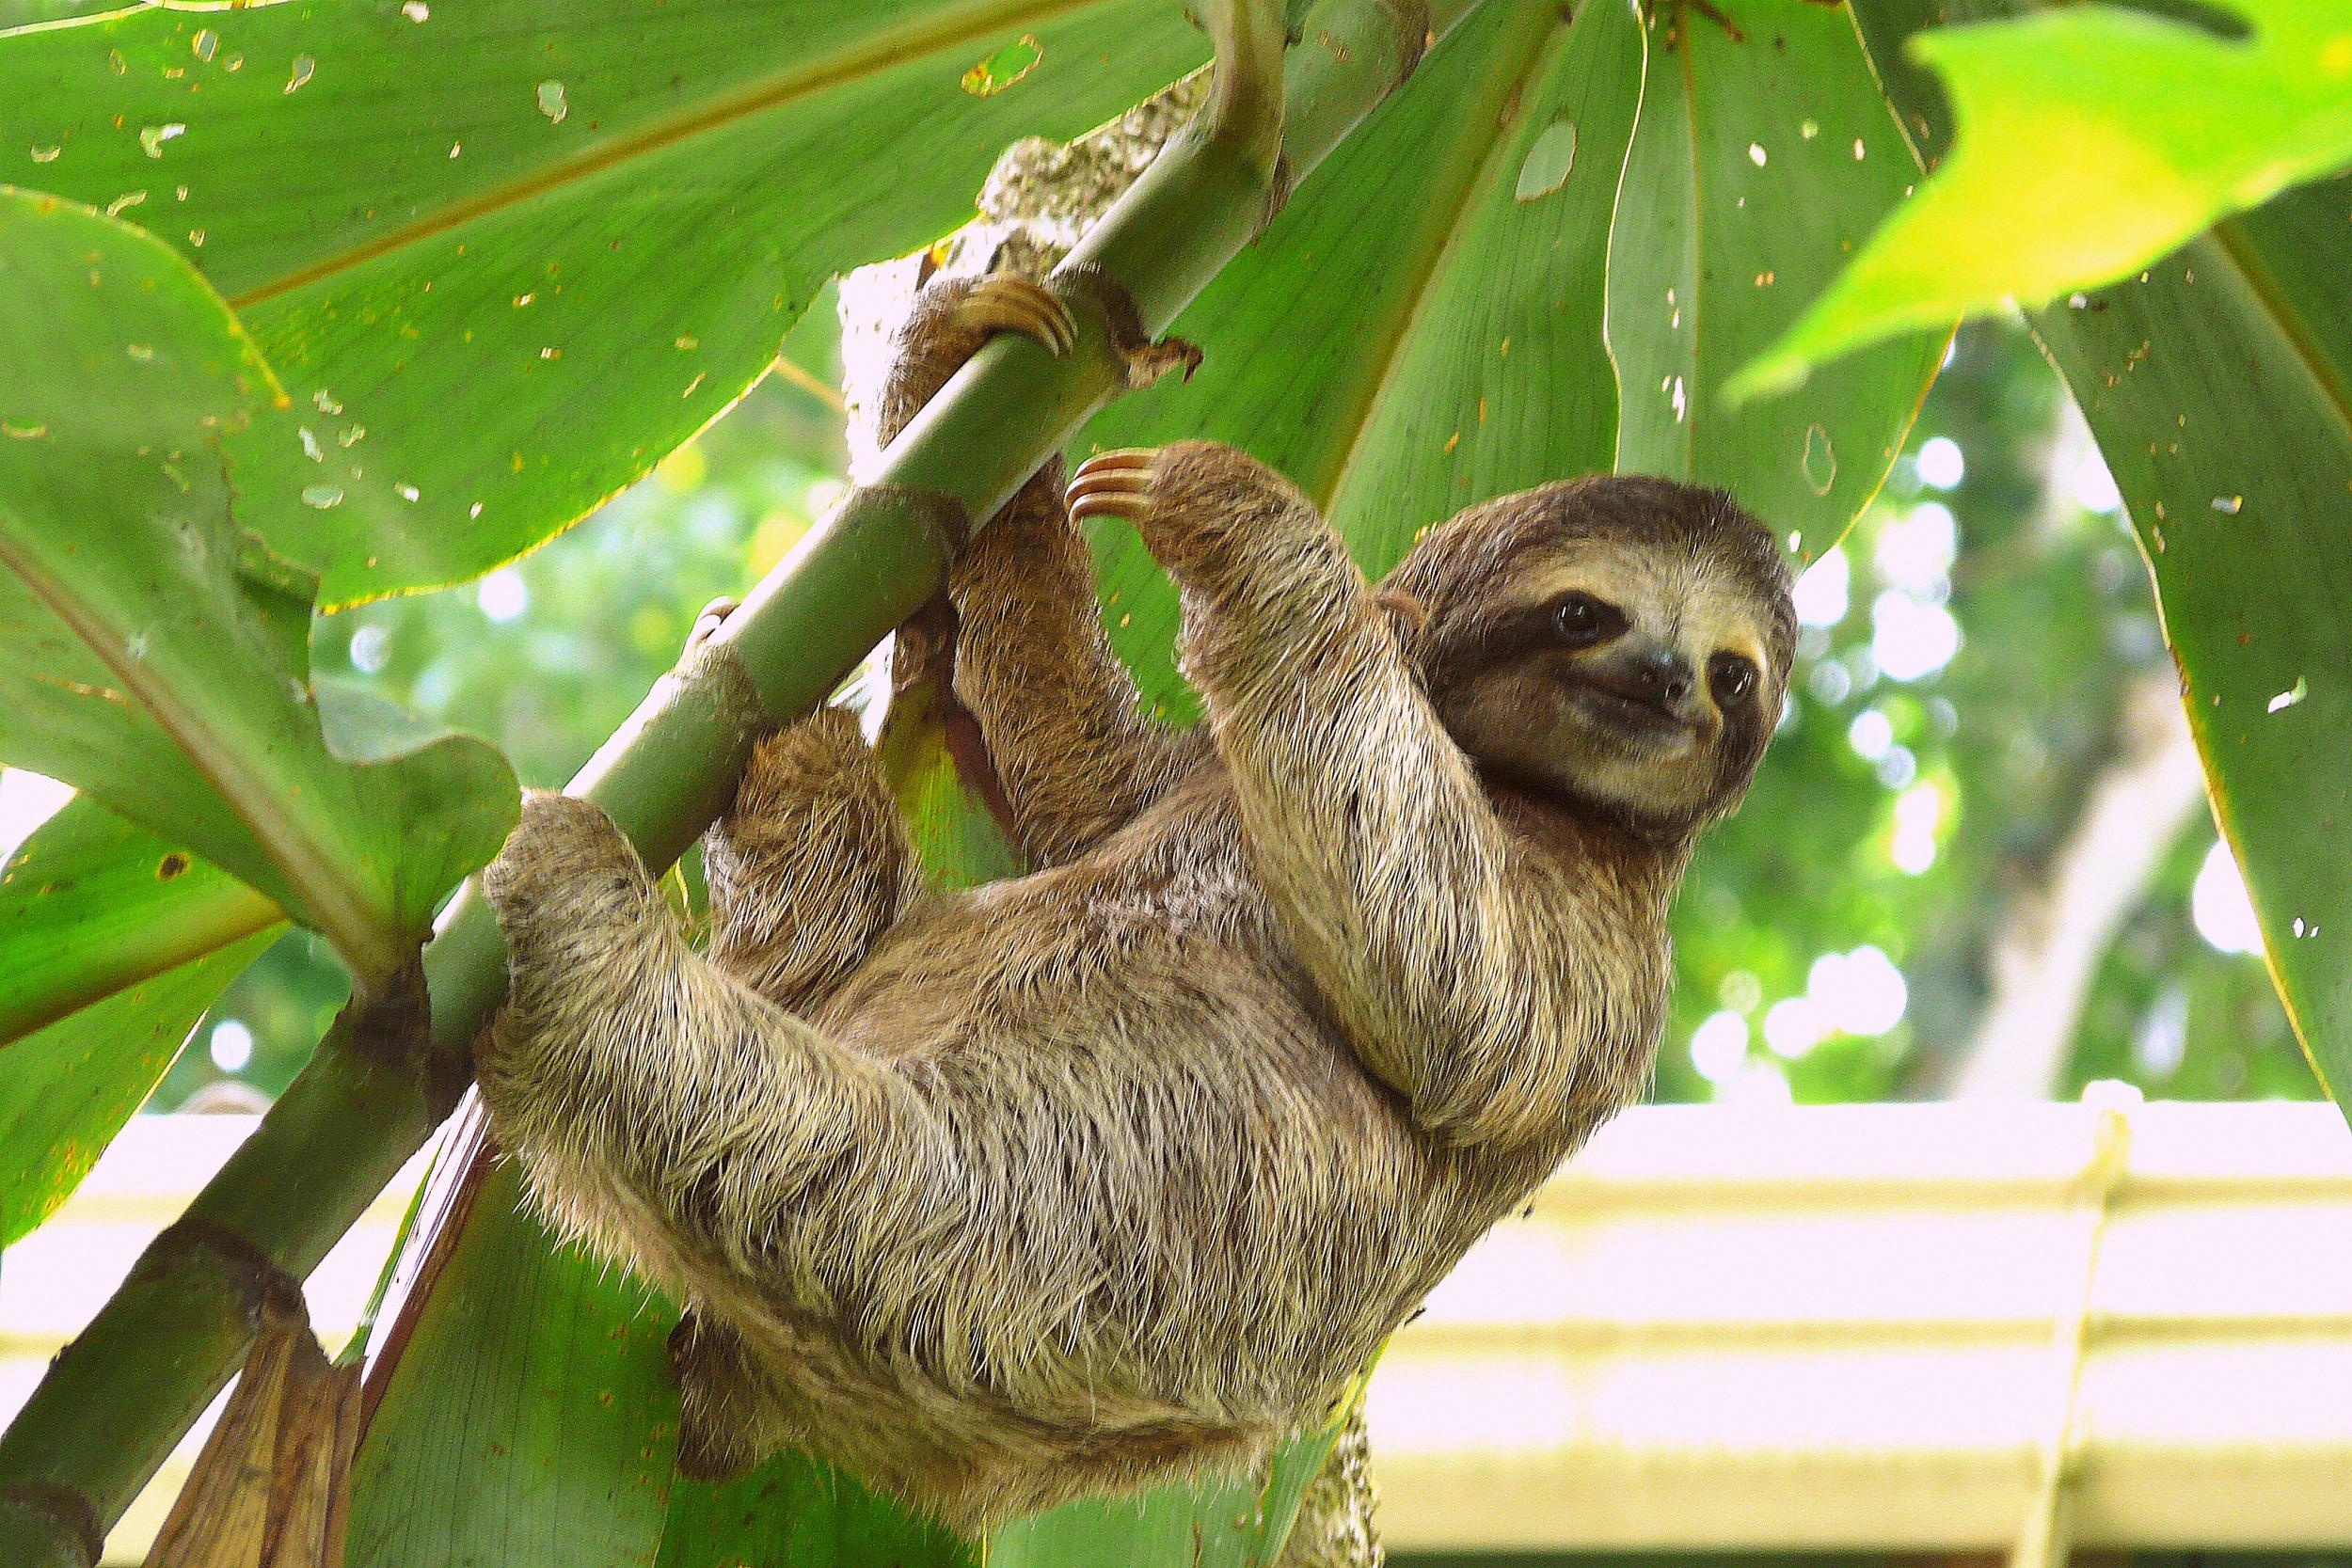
x=117, y=1399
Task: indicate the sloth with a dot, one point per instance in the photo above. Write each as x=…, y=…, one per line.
x=1123, y=1170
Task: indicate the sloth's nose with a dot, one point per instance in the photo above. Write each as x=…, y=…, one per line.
x=1659, y=674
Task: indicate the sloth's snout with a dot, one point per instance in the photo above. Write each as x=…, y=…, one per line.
x=1646, y=675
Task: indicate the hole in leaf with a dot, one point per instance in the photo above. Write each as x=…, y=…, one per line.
x=1820, y=460
x=1004, y=68
x=1549, y=161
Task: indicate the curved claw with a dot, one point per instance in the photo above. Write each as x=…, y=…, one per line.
x=1003, y=302
x=1115, y=483
x=707, y=622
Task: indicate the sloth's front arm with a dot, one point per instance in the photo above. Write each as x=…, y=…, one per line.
x=1077, y=757
x=1420, y=921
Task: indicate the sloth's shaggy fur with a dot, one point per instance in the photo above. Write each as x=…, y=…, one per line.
x=1087, y=1180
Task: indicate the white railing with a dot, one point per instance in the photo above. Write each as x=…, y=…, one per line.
x=1876, y=1325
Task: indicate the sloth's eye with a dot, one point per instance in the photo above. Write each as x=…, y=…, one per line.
x=1581, y=620
x=1732, y=677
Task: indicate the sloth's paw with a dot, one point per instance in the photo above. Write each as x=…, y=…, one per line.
x=564, y=875
x=1001, y=302
x=1190, y=502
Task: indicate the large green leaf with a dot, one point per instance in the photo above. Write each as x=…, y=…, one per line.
x=2220, y=391
x=2219, y=387
x=445, y=222
x=90, y=906
x=2092, y=140
x=1421, y=328
x=527, y=1420
x=111, y=945
x=153, y=648
x=1766, y=152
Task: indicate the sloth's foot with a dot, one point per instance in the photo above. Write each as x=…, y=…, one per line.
x=1002, y=302
x=1141, y=361
x=952, y=318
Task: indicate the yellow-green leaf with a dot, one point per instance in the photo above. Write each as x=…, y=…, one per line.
x=2090, y=141
x=112, y=944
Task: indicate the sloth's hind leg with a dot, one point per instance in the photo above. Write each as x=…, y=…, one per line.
x=728, y=1417
x=660, y=1106
x=811, y=864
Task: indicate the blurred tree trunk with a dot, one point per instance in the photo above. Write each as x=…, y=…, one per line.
x=2052, y=936
x=2065, y=905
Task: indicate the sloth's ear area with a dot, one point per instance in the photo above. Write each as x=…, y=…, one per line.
x=1407, y=613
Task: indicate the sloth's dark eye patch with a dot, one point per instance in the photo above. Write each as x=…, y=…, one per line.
x=1581, y=620
x=1731, y=676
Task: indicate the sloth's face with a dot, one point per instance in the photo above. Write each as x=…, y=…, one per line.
x=1621, y=662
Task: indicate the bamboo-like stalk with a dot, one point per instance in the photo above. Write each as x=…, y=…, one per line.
x=117, y=1400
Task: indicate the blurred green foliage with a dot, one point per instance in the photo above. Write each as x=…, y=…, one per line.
x=1988, y=758
x=1895, y=814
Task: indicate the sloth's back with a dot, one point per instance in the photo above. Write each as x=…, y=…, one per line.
x=1224, y=1212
